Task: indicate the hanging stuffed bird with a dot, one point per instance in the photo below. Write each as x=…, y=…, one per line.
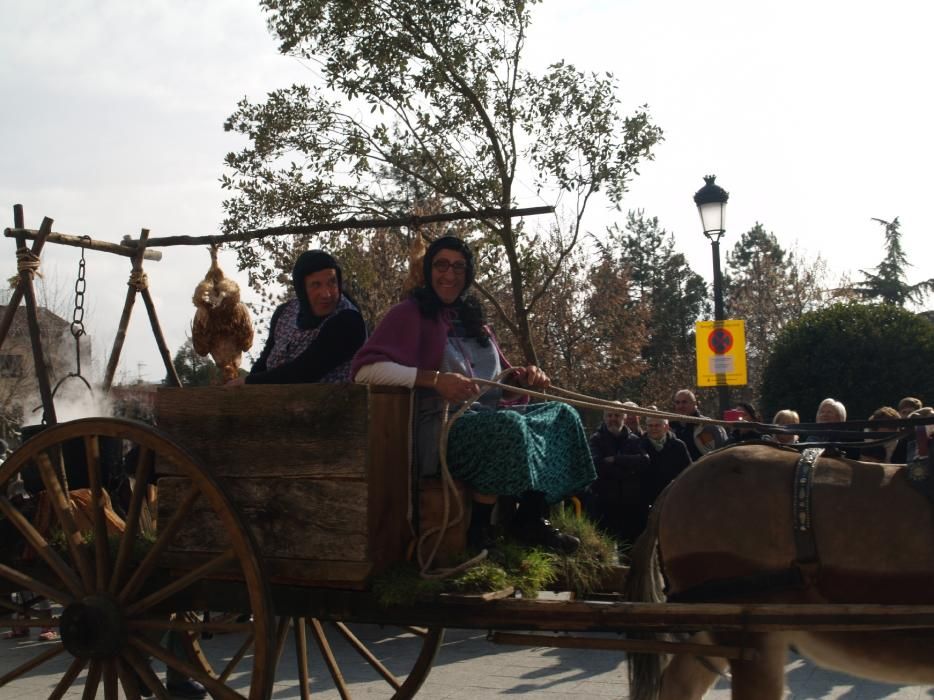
x=222, y=324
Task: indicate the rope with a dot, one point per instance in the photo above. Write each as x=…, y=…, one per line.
x=449, y=489
x=28, y=262
x=138, y=280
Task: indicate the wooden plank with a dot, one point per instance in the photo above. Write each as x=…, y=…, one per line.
x=275, y=430
x=345, y=575
x=387, y=475
x=290, y=518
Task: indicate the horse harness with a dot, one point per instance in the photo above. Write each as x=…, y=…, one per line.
x=806, y=561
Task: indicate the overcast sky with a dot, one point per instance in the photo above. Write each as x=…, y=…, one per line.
x=815, y=116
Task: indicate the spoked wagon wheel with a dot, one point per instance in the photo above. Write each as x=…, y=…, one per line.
x=117, y=598
x=421, y=642
x=424, y=642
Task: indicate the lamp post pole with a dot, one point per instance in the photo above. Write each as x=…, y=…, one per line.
x=711, y=203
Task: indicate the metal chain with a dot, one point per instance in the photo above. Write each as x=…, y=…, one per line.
x=77, y=318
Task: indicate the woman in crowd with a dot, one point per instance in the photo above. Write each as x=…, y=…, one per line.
x=746, y=412
x=437, y=340
x=786, y=417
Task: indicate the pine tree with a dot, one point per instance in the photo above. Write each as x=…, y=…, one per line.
x=888, y=283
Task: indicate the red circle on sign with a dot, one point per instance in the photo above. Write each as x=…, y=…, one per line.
x=720, y=341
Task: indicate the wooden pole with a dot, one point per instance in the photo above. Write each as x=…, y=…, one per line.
x=127, y=249
x=136, y=270
x=17, y=295
x=32, y=318
x=649, y=646
x=171, y=375
x=410, y=221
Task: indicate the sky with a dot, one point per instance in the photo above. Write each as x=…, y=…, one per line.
x=815, y=117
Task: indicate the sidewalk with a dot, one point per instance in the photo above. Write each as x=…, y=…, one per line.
x=468, y=667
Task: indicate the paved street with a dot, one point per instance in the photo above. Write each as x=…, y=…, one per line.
x=468, y=667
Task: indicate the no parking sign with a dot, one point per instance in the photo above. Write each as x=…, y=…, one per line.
x=721, y=353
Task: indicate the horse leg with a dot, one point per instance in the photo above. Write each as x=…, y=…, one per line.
x=688, y=677
x=761, y=677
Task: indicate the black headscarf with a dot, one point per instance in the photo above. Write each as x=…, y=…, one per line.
x=308, y=263
x=467, y=306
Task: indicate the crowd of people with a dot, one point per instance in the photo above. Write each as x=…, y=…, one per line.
x=634, y=465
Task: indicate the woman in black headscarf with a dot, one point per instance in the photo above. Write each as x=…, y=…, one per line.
x=438, y=342
x=313, y=336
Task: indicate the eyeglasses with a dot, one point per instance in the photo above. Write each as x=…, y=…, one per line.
x=443, y=266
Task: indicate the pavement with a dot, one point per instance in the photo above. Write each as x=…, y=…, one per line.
x=468, y=667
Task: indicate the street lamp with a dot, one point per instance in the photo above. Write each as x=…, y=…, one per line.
x=711, y=204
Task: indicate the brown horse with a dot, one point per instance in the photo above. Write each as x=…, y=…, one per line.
x=723, y=531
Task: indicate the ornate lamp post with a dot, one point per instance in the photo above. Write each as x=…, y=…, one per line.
x=711, y=204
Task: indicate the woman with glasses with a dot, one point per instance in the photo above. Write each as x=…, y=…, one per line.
x=437, y=342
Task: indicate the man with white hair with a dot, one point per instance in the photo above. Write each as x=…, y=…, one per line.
x=668, y=456
x=616, y=496
x=699, y=438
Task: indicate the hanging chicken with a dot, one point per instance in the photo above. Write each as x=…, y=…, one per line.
x=222, y=325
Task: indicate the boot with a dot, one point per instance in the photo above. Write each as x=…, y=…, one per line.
x=532, y=527
x=480, y=531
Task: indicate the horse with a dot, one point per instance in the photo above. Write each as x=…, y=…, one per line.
x=750, y=524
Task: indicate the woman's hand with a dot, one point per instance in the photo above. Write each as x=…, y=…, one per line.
x=455, y=387
x=532, y=377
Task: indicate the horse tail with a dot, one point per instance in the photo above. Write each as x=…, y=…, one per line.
x=645, y=584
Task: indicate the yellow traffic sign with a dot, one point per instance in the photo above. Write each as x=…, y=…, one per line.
x=721, y=353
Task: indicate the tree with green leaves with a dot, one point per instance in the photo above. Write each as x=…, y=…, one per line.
x=429, y=98
x=865, y=355
x=767, y=286
x=193, y=369
x=672, y=296
x=888, y=283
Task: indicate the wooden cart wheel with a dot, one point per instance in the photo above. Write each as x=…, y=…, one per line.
x=423, y=642
x=427, y=640
x=115, y=595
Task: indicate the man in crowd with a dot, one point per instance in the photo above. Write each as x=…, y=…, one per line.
x=616, y=501
x=668, y=456
x=700, y=439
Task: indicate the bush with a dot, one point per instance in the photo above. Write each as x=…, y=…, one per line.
x=864, y=355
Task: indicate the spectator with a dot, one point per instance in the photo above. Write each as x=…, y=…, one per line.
x=908, y=405
x=633, y=420
x=616, y=501
x=786, y=417
x=699, y=439
x=746, y=412
x=832, y=411
x=912, y=447
x=667, y=454
x=884, y=452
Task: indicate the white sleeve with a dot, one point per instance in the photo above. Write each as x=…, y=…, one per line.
x=387, y=373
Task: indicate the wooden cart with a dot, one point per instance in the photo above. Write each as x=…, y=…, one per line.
x=281, y=507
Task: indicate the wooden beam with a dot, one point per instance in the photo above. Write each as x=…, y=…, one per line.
x=32, y=319
x=136, y=268
x=127, y=249
x=412, y=221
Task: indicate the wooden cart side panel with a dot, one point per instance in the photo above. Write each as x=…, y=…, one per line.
x=388, y=475
x=322, y=482
x=275, y=430
x=290, y=518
